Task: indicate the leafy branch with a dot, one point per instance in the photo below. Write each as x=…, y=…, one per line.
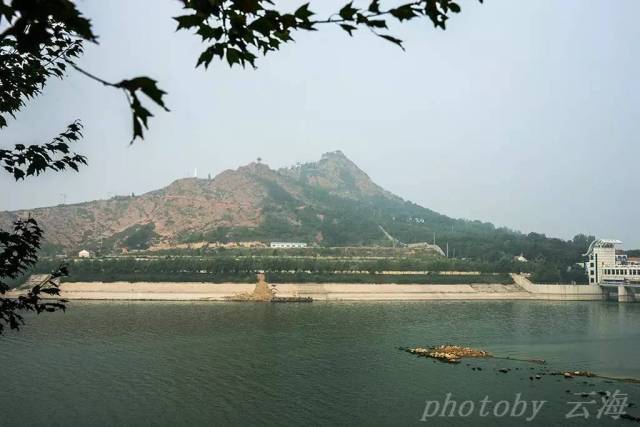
x=23, y=74
x=34, y=159
x=41, y=40
x=130, y=87
x=18, y=252
x=240, y=30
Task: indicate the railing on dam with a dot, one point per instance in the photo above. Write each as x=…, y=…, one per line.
x=635, y=285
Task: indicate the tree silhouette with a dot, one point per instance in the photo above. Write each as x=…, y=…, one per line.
x=40, y=39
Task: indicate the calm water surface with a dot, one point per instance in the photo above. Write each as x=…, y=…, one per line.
x=309, y=364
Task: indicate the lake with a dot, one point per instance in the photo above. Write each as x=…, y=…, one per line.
x=167, y=364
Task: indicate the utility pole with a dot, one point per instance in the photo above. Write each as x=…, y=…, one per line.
x=64, y=198
x=447, y=249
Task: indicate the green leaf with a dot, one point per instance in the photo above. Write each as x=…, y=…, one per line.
x=248, y=6
x=392, y=40
x=303, y=13
x=208, y=33
x=148, y=86
x=403, y=13
x=188, y=21
x=233, y=56
x=348, y=28
x=347, y=12
x=140, y=116
x=206, y=57
x=376, y=23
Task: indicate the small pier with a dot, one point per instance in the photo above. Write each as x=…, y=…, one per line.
x=265, y=293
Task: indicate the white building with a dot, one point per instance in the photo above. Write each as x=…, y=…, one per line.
x=605, y=266
x=287, y=245
x=84, y=254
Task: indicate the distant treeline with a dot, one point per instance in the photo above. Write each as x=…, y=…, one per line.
x=278, y=270
x=233, y=265
x=444, y=279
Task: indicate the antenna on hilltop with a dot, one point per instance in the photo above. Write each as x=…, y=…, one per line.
x=64, y=198
x=195, y=173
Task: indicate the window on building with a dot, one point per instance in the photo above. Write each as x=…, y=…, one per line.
x=593, y=280
x=591, y=265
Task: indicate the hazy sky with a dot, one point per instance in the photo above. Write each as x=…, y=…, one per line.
x=522, y=113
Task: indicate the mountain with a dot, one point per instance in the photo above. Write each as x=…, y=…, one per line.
x=330, y=202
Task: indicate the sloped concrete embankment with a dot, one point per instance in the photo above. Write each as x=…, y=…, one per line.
x=523, y=289
x=319, y=292
x=558, y=292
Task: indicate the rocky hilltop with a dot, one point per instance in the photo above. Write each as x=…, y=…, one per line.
x=245, y=203
x=331, y=202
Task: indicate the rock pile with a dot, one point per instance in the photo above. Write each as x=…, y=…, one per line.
x=448, y=353
x=262, y=292
x=571, y=374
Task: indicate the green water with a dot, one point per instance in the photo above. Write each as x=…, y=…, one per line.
x=308, y=364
